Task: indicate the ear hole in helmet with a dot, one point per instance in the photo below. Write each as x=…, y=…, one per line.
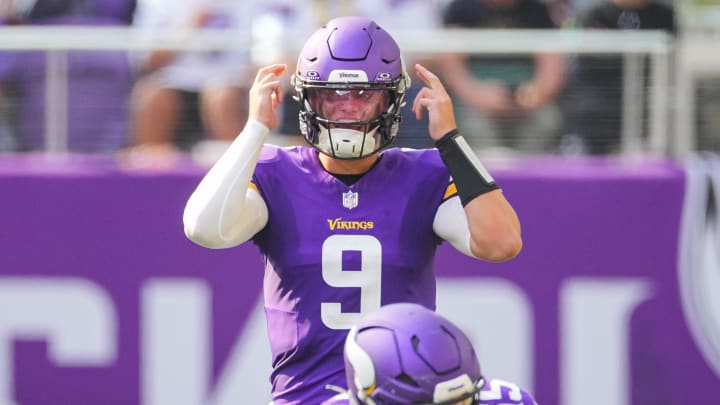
x=415, y=342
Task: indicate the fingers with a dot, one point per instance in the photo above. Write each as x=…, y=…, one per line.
x=429, y=78
x=428, y=98
x=435, y=101
x=277, y=95
x=434, y=88
x=268, y=80
x=275, y=69
x=421, y=101
x=266, y=94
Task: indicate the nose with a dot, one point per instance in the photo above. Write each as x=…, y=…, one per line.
x=353, y=104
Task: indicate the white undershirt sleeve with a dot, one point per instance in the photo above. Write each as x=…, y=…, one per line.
x=223, y=211
x=451, y=224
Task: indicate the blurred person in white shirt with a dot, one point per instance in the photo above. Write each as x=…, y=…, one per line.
x=184, y=98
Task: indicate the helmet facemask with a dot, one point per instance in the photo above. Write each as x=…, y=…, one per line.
x=349, y=120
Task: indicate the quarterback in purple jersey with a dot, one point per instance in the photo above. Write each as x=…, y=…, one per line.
x=404, y=354
x=348, y=224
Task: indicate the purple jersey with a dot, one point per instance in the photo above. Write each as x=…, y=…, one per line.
x=336, y=252
x=493, y=392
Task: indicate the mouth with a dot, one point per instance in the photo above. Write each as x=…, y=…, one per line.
x=348, y=124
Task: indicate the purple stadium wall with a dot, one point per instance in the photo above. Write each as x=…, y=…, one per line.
x=104, y=301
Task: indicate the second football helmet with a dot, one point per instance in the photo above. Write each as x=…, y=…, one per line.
x=408, y=354
x=350, y=57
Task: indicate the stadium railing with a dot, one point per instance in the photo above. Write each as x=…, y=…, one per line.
x=635, y=47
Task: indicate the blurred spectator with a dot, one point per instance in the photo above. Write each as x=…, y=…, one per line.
x=707, y=101
x=505, y=101
x=697, y=18
x=8, y=143
x=561, y=12
x=98, y=83
x=183, y=98
x=595, y=94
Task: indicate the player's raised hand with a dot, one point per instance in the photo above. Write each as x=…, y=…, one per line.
x=435, y=99
x=266, y=95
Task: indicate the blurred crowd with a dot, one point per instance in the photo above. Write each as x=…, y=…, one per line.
x=151, y=106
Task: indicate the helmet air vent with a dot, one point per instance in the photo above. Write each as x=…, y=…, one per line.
x=407, y=380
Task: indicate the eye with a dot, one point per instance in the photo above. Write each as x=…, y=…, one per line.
x=336, y=95
x=365, y=95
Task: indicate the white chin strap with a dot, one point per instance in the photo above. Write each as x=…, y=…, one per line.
x=346, y=143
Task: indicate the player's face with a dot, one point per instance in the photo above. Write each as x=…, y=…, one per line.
x=349, y=105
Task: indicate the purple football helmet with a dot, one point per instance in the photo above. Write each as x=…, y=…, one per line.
x=350, y=58
x=407, y=354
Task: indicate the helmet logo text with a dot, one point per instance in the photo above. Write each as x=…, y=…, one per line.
x=348, y=76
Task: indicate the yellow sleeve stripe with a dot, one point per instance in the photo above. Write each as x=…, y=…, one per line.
x=254, y=187
x=450, y=191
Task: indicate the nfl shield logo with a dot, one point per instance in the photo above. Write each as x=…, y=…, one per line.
x=350, y=200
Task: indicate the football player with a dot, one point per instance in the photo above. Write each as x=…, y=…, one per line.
x=405, y=354
x=346, y=224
